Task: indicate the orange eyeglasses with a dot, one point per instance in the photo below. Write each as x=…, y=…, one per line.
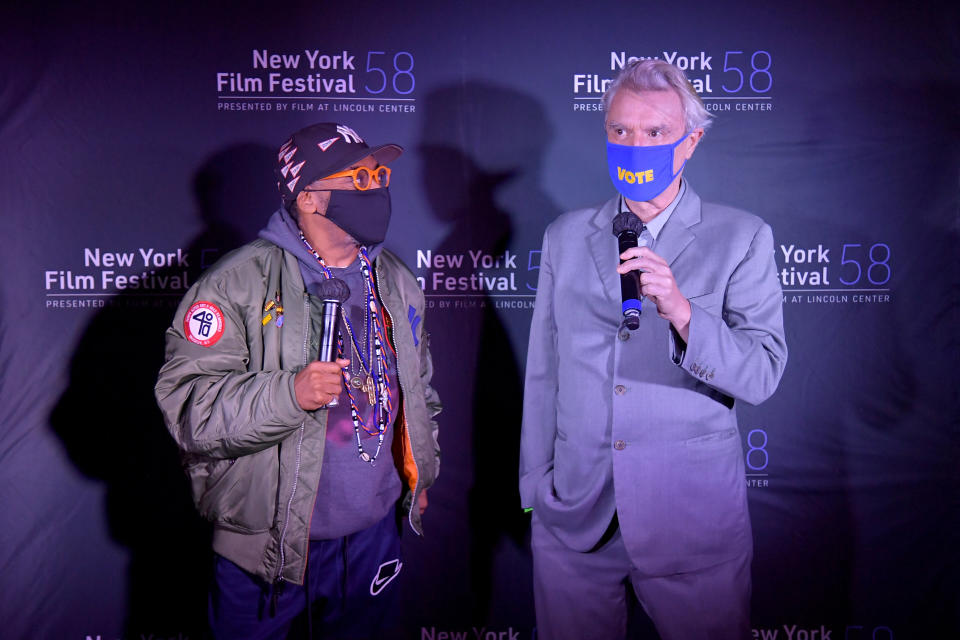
x=362, y=177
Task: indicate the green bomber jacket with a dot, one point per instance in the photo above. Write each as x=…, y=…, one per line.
x=226, y=392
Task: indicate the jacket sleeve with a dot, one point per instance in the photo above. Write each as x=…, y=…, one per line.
x=211, y=403
x=539, y=428
x=743, y=353
x=431, y=397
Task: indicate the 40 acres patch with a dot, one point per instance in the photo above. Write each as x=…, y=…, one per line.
x=203, y=323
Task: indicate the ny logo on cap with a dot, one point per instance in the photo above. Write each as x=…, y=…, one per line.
x=348, y=134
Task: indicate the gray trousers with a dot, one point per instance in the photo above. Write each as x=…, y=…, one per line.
x=584, y=595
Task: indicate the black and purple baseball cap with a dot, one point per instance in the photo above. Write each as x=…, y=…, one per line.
x=320, y=150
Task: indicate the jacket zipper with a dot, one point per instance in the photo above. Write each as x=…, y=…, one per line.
x=296, y=470
x=393, y=336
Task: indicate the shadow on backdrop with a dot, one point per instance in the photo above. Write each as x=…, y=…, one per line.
x=113, y=431
x=900, y=426
x=482, y=147
x=871, y=459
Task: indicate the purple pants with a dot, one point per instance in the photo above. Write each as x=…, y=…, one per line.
x=584, y=595
x=350, y=583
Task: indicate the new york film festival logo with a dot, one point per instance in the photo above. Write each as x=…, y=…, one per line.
x=808, y=631
x=139, y=636
x=727, y=80
x=835, y=273
x=756, y=457
x=100, y=276
x=474, y=278
x=312, y=80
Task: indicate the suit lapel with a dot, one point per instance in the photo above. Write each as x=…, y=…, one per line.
x=676, y=235
x=603, y=248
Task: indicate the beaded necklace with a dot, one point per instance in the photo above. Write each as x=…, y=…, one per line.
x=372, y=360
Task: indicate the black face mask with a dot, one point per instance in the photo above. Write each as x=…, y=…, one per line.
x=365, y=215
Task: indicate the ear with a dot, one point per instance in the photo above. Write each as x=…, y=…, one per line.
x=692, y=141
x=305, y=203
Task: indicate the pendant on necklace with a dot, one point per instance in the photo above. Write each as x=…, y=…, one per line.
x=356, y=383
x=371, y=391
x=365, y=456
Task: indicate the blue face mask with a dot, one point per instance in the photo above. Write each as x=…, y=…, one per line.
x=642, y=173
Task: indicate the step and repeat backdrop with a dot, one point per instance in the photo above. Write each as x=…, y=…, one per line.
x=136, y=148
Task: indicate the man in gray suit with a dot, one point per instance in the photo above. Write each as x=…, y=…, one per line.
x=630, y=455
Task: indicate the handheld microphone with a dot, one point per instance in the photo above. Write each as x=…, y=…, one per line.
x=627, y=228
x=333, y=292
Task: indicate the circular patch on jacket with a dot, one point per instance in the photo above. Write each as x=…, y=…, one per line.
x=203, y=323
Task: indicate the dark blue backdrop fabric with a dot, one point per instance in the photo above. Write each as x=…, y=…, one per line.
x=135, y=148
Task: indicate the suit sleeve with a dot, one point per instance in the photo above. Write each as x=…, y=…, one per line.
x=540, y=389
x=743, y=353
x=211, y=404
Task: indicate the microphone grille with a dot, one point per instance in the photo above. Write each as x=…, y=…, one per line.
x=627, y=221
x=330, y=289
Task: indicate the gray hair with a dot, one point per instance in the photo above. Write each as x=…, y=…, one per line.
x=657, y=75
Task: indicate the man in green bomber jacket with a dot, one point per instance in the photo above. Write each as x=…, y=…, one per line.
x=307, y=468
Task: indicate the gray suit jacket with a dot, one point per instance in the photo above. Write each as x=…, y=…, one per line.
x=638, y=423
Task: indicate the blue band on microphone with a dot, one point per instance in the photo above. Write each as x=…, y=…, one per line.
x=630, y=304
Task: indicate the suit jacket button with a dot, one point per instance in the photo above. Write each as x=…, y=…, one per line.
x=620, y=389
x=624, y=335
x=619, y=445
